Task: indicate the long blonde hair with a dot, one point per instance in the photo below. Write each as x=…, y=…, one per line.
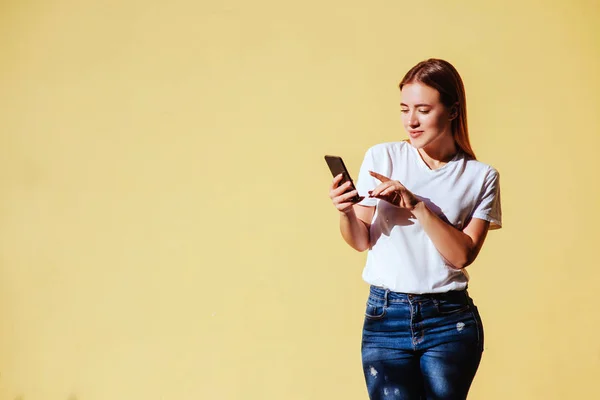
x=443, y=77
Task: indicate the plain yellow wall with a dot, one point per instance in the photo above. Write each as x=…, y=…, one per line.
x=165, y=228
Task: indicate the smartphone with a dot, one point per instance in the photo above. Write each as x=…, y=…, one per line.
x=337, y=166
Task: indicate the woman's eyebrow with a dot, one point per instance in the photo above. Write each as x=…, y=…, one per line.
x=417, y=105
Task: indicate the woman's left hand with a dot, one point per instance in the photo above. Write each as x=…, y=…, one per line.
x=393, y=192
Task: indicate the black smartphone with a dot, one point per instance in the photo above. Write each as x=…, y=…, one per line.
x=337, y=166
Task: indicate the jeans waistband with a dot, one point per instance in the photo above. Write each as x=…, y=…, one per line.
x=399, y=297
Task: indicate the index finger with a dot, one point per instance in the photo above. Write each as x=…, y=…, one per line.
x=379, y=176
x=336, y=180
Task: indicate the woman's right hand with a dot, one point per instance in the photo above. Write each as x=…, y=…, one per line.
x=341, y=200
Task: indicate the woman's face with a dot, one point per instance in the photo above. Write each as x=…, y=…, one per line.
x=424, y=117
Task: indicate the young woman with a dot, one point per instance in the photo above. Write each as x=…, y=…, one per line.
x=428, y=207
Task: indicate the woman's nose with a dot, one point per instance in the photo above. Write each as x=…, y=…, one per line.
x=413, y=120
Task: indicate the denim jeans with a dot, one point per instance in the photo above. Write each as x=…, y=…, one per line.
x=424, y=346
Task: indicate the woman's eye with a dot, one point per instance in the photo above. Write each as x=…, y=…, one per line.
x=423, y=111
x=404, y=111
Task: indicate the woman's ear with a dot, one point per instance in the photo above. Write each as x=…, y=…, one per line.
x=454, y=111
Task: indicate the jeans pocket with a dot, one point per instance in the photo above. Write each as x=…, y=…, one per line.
x=375, y=311
x=445, y=307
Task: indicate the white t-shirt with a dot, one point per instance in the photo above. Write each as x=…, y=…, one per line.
x=402, y=258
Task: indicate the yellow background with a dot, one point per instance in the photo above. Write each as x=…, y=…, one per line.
x=165, y=228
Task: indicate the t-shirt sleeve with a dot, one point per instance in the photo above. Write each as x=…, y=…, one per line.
x=365, y=182
x=488, y=207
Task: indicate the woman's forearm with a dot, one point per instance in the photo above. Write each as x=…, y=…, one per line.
x=354, y=231
x=455, y=246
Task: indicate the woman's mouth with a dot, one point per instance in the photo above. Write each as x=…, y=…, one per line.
x=415, y=134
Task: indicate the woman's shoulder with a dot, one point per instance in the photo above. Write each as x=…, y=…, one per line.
x=388, y=148
x=479, y=167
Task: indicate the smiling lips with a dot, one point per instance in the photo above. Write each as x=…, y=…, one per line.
x=415, y=134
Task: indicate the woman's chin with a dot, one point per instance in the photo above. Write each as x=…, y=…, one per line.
x=417, y=143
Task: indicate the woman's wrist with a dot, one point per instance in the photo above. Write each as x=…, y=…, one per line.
x=347, y=212
x=419, y=209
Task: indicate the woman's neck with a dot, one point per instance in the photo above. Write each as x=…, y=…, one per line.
x=436, y=155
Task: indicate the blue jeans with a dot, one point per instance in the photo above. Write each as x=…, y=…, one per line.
x=424, y=346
